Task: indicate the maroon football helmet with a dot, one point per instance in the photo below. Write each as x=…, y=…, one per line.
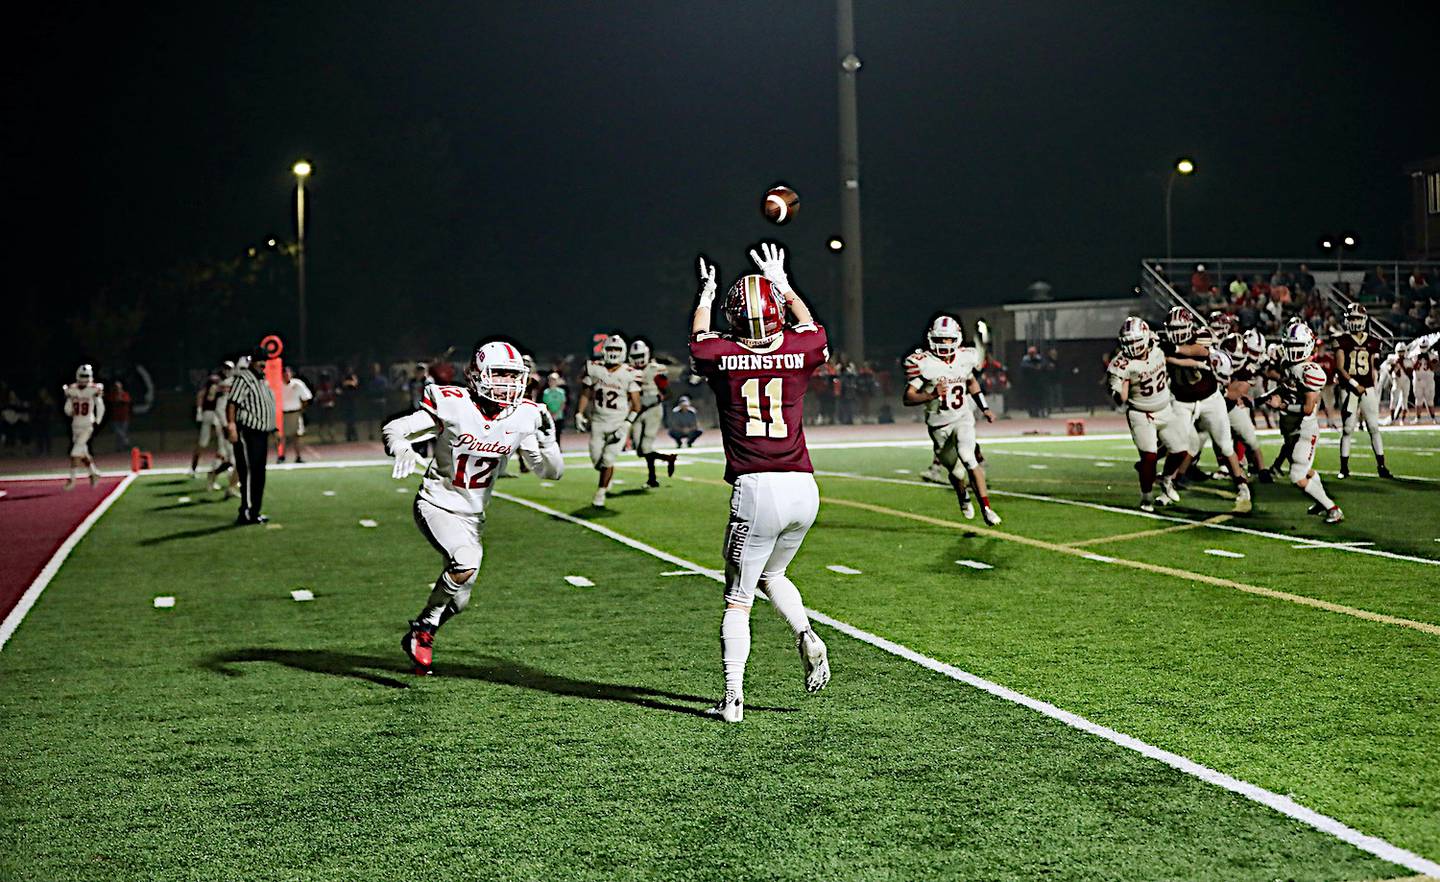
x=755, y=308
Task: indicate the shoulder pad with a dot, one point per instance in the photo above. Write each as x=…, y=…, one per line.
x=1313, y=376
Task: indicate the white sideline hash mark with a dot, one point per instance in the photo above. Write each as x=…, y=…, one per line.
x=842, y=570
x=693, y=573
x=1037, y=465
x=327, y=492
x=903, y=472
x=301, y=594
x=402, y=489
x=975, y=564
x=1220, y=552
x=1101, y=464
x=547, y=483
x=1285, y=805
x=182, y=500
x=367, y=522
x=580, y=581
x=164, y=602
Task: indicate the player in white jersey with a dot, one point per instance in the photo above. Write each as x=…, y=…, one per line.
x=608, y=407
x=1299, y=393
x=475, y=429
x=1140, y=382
x=654, y=383
x=85, y=406
x=1238, y=377
x=1398, y=367
x=942, y=378
x=1424, y=379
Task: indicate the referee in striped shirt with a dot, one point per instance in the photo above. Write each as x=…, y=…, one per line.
x=249, y=420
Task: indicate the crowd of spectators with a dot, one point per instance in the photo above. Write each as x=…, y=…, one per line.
x=1268, y=302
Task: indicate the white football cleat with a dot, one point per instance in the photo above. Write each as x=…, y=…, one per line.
x=1334, y=515
x=730, y=709
x=935, y=474
x=1243, y=502
x=815, y=659
x=1147, y=502
x=991, y=518
x=1168, y=491
x=599, y=500
x=967, y=509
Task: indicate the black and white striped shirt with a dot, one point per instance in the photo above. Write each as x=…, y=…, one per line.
x=253, y=400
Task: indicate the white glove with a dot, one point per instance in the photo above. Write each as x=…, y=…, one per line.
x=407, y=463
x=771, y=261
x=198, y=415
x=582, y=422
x=707, y=284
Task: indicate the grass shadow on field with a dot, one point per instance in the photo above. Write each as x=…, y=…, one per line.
x=388, y=671
x=589, y=512
x=187, y=534
x=190, y=504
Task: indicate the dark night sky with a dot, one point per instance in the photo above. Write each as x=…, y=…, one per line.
x=547, y=169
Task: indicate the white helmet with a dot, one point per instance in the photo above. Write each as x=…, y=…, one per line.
x=1135, y=337
x=639, y=353
x=84, y=373
x=1254, y=346
x=1299, y=343
x=1222, y=363
x=497, y=373
x=613, y=352
x=943, y=336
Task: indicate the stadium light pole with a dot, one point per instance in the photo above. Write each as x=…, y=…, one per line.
x=1184, y=166
x=852, y=294
x=302, y=171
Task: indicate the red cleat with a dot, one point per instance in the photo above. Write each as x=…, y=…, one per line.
x=419, y=645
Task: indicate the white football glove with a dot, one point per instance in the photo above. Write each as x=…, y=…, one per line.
x=407, y=463
x=707, y=284
x=582, y=422
x=198, y=415
x=771, y=261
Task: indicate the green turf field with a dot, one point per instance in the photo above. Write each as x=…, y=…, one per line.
x=243, y=735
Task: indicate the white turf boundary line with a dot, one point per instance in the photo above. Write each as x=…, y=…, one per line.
x=1282, y=804
x=32, y=594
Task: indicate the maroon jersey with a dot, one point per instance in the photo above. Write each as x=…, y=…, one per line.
x=1359, y=356
x=1191, y=384
x=761, y=397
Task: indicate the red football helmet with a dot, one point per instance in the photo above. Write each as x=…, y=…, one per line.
x=755, y=308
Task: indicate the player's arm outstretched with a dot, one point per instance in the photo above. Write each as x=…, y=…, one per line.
x=541, y=450
x=771, y=261
x=701, y=322
x=401, y=433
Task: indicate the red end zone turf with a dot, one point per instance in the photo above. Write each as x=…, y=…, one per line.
x=36, y=517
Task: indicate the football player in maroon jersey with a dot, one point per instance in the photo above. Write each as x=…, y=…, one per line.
x=759, y=373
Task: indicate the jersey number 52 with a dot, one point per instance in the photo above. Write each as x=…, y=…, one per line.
x=767, y=419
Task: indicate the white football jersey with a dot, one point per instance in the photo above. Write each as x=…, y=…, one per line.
x=923, y=371
x=469, y=447
x=85, y=404
x=1298, y=379
x=649, y=389
x=1149, y=380
x=610, y=391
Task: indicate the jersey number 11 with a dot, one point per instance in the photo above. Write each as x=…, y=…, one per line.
x=766, y=417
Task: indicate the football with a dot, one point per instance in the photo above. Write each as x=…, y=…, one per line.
x=781, y=204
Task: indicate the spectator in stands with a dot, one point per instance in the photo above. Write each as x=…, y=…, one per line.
x=1304, y=281
x=554, y=397
x=684, y=423
x=1238, y=290
x=1051, y=378
x=1200, y=282
x=1375, y=287
x=117, y=413
x=324, y=405
x=348, y=398
x=1032, y=366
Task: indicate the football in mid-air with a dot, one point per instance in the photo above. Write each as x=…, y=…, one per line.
x=781, y=204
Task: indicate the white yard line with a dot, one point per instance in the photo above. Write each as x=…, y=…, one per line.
x=32, y=594
x=1133, y=512
x=1282, y=804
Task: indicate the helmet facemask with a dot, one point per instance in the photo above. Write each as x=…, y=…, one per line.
x=639, y=354
x=502, y=384
x=613, y=352
x=1356, y=320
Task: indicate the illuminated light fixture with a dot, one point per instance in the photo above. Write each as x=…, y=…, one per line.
x=301, y=169
x=1185, y=165
x=835, y=243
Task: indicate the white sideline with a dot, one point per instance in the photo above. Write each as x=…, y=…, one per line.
x=1282, y=804
x=32, y=594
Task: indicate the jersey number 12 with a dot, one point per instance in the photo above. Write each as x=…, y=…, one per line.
x=767, y=419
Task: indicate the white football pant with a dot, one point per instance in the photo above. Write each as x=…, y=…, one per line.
x=455, y=536
x=80, y=434
x=603, y=455
x=954, y=445
x=1302, y=458
x=645, y=430
x=770, y=513
x=1242, y=426
x=1357, y=409
x=1148, y=429
x=1210, y=418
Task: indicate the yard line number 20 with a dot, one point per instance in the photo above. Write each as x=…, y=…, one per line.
x=767, y=419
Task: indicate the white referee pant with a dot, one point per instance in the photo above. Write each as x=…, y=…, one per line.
x=770, y=513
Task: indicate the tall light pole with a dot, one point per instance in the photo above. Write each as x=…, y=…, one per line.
x=1184, y=166
x=302, y=172
x=852, y=294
